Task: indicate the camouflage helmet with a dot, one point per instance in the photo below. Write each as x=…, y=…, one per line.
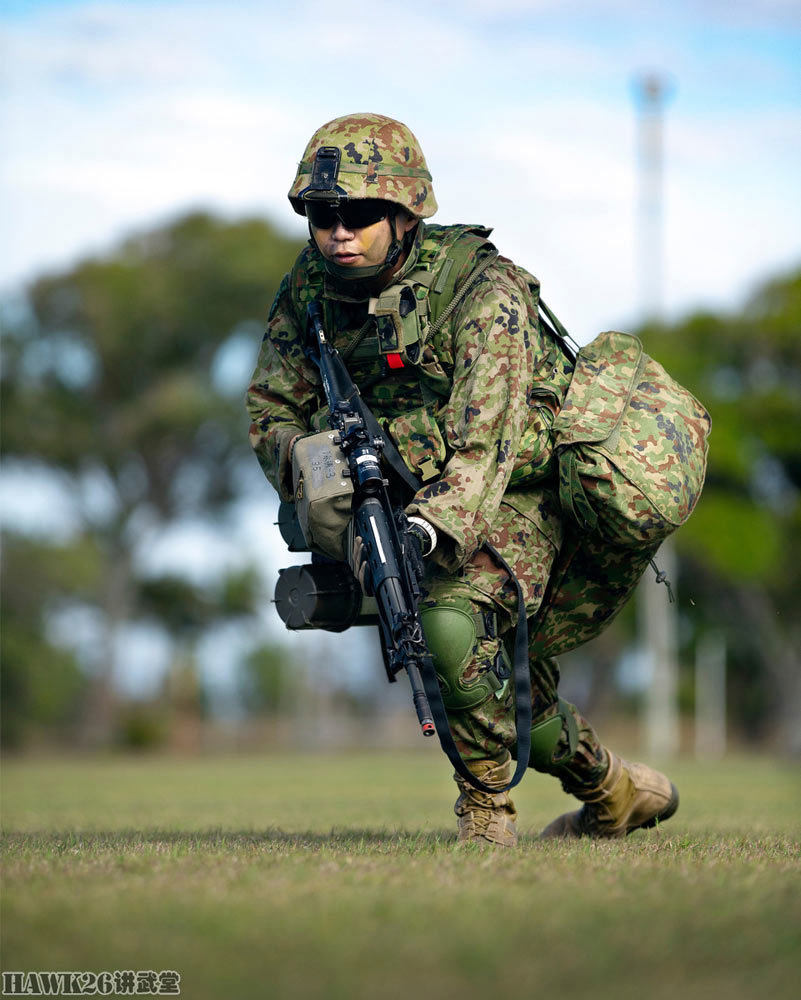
x=364, y=156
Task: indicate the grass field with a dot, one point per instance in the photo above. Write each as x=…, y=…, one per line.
x=339, y=877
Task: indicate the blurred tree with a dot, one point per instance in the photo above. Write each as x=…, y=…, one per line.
x=271, y=680
x=741, y=549
x=41, y=684
x=114, y=383
x=187, y=610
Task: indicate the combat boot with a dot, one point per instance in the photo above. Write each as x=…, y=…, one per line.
x=631, y=797
x=483, y=817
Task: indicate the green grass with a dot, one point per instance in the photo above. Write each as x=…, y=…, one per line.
x=335, y=877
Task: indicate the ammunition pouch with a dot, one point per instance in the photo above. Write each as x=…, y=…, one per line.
x=323, y=493
x=397, y=317
x=322, y=595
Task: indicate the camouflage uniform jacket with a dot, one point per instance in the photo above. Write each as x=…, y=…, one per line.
x=469, y=406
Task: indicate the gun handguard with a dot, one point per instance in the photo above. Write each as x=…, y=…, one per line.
x=397, y=594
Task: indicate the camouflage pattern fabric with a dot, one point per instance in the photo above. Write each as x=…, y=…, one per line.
x=487, y=731
x=591, y=582
x=506, y=381
x=528, y=535
x=380, y=158
x=632, y=444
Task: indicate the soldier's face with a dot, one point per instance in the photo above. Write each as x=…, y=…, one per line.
x=360, y=247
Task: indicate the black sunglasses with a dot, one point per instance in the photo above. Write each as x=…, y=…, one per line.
x=352, y=214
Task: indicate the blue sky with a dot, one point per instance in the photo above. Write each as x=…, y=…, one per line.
x=119, y=115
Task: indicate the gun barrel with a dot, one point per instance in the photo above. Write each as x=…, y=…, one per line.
x=420, y=700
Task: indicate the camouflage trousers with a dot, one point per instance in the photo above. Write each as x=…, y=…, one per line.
x=528, y=535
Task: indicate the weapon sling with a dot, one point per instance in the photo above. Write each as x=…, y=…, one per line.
x=340, y=377
x=522, y=689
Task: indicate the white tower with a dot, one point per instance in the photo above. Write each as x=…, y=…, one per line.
x=657, y=617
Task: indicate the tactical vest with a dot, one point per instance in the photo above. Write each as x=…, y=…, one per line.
x=415, y=306
x=400, y=333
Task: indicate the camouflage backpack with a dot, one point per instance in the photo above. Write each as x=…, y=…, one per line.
x=631, y=445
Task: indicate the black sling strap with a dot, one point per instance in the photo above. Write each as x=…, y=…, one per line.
x=520, y=669
x=522, y=688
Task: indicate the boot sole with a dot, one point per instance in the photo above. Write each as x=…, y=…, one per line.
x=666, y=813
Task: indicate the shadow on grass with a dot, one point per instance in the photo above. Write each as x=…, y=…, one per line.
x=118, y=845
x=210, y=840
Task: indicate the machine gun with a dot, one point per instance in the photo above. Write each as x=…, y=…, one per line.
x=326, y=595
x=394, y=571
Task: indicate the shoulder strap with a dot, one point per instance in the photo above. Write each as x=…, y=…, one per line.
x=467, y=285
x=558, y=332
x=430, y=392
x=447, y=253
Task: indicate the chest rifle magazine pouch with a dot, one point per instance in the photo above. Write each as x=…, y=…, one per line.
x=397, y=320
x=323, y=493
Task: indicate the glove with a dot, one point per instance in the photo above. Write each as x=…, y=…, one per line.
x=419, y=539
x=357, y=560
x=289, y=477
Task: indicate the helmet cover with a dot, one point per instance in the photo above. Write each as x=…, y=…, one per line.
x=378, y=157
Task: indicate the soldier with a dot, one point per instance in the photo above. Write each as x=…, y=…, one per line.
x=441, y=335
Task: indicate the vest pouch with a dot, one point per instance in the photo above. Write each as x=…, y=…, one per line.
x=323, y=493
x=398, y=322
x=419, y=441
x=535, y=454
x=631, y=444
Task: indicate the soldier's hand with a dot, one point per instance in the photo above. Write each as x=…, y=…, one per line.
x=357, y=560
x=421, y=540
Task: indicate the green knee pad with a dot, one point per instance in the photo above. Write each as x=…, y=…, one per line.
x=451, y=634
x=545, y=738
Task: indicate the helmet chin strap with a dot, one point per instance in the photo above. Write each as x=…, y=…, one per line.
x=353, y=274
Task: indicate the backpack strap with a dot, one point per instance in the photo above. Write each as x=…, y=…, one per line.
x=452, y=252
x=558, y=332
x=428, y=386
x=467, y=285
